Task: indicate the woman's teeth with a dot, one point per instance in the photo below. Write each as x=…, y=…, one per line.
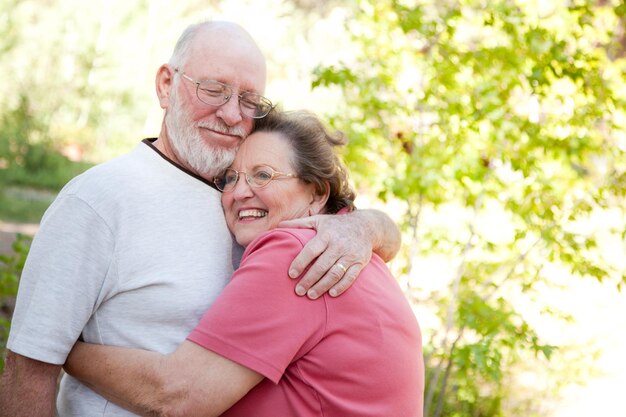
x=252, y=213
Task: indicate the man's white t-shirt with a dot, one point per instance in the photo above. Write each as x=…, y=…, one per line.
x=131, y=253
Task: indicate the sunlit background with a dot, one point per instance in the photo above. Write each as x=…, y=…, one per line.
x=494, y=133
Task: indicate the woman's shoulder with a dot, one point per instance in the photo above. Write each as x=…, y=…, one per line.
x=281, y=239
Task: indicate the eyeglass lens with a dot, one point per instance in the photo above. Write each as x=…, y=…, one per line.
x=259, y=178
x=216, y=94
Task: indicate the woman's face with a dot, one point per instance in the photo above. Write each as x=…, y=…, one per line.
x=252, y=210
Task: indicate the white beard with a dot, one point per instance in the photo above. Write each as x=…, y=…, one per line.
x=188, y=145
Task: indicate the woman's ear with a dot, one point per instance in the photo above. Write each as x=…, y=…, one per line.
x=318, y=203
x=164, y=83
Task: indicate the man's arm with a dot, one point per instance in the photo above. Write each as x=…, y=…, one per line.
x=190, y=382
x=28, y=387
x=342, y=247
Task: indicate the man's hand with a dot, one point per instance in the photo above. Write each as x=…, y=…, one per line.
x=28, y=387
x=341, y=249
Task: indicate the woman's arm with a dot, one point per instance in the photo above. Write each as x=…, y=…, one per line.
x=28, y=387
x=346, y=239
x=191, y=382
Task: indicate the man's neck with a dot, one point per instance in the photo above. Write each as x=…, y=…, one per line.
x=161, y=147
x=162, y=144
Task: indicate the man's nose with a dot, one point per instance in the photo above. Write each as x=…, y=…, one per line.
x=230, y=112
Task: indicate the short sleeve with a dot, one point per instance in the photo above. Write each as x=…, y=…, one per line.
x=61, y=280
x=259, y=321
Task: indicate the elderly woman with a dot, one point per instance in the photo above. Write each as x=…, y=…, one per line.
x=261, y=350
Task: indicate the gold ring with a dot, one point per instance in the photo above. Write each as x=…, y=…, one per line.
x=340, y=266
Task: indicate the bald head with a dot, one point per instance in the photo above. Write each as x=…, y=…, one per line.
x=206, y=38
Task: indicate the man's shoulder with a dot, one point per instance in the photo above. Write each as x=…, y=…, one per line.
x=119, y=169
x=125, y=161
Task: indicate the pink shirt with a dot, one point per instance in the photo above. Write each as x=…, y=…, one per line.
x=359, y=354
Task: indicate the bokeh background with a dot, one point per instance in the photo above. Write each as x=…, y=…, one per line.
x=493, y=132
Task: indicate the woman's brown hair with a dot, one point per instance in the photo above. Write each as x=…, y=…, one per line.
x=314, y=161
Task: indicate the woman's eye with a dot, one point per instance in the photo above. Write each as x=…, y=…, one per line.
x=230, y=178
x=263, y=175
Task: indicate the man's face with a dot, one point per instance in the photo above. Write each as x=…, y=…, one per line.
x=205, y=138
x=198, y=152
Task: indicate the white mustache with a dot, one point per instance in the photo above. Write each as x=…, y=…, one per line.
x=221, y=128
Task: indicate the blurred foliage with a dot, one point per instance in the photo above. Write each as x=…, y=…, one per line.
x=502, y=130
x=72, y=84
x=11, y=265
x=28, y=158
x=18, y=205
x=497, y=127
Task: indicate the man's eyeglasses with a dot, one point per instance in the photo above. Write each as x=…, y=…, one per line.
x=215, y=93
x=260, y=177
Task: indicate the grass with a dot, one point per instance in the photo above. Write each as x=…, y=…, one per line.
x=23, y=205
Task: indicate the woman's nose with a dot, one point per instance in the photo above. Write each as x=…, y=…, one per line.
x=242, y=188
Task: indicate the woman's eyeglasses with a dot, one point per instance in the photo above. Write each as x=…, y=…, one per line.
x=260, y=177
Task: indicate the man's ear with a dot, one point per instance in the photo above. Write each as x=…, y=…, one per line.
x=319, y=200
x=164, y=84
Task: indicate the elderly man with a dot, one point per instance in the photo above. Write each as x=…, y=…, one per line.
x=132, y=252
